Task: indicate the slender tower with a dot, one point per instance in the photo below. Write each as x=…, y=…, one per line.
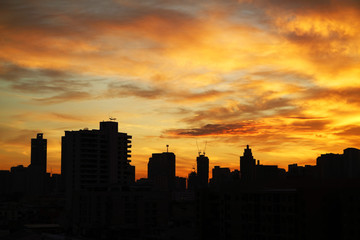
x=247, y=165
x=202, y=170
x=38, y=152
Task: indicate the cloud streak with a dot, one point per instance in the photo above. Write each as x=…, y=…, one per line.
x=127, y=89
x=220, y=130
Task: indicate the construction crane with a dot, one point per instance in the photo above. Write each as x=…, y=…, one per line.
x=199, y=151
x=205, y=147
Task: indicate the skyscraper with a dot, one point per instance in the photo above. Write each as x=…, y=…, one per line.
x=38, y=152
x=36, y=176
x=202, y=170
x=247, y=165
x=161, y=170
x=96, y=159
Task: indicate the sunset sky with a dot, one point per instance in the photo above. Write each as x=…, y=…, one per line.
x=282, y=76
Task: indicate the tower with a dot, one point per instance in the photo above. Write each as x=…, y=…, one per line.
x=96, y=159
x=202, y=170
x=36, y=177
x=94, y=162
x=247, y=165
x=38, y=153
x=161, y=170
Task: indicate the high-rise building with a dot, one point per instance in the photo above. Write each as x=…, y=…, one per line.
x=37, y=178
x=202, y=170
x=96, y=159
x=346, y=165
x=161, y=170
x=38, y=152
x=352, y=162
x=247, y=165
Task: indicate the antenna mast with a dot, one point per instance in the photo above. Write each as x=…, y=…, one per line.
x=167, y=148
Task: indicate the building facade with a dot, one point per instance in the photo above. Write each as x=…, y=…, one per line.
x=247, y=165
x=96, y=159
x=161, y=170
x=202, y=170
x=39, y=152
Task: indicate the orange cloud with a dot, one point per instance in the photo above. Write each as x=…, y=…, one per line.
x=280, y=75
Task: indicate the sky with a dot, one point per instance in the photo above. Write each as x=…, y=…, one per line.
x=282, y=76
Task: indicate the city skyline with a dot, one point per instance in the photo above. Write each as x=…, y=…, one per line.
x=96, y=196
x=81, y=152
x=281, y=76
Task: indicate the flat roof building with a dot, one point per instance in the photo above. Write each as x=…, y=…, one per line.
x=39, y=152
x=96, y=159
x=161, y=170
x=202, y=163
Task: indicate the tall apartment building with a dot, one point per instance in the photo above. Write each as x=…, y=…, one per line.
x=96, y=159
x=202, y=163
x=38, y=152
x=346, y=165
x=37, y=178
x=161, y=170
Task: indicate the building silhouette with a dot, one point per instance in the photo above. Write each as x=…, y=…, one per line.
x=202, y=163
x=247, y=165
x=220, y=176
x=38, y=152
x=96, y=159
x=92, y=163
x=19, y=177
x=192, y=181
x=307, y=171
x=346, y=165
x=161, y=170
x=37, y=179
x=101, y=201
x=268, y=172
x=32, y=180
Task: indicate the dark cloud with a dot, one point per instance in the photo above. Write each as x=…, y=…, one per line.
x=47, y=86
x=11, y=136
x=305, y=5
x=304, y=117
x=252, y=128
x=51, y=116
x=64, y=97
x=131, y=89
x=246, y=128
x=256, y=108
x=81, y=19
x=142, y=90
x=349, y=131
x=310, y=125
x=38, y=80
x=349, y=95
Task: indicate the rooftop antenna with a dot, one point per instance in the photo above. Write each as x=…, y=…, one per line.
x=167, y=148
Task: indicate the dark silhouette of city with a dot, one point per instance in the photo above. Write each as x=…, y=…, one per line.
x=96, y=195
